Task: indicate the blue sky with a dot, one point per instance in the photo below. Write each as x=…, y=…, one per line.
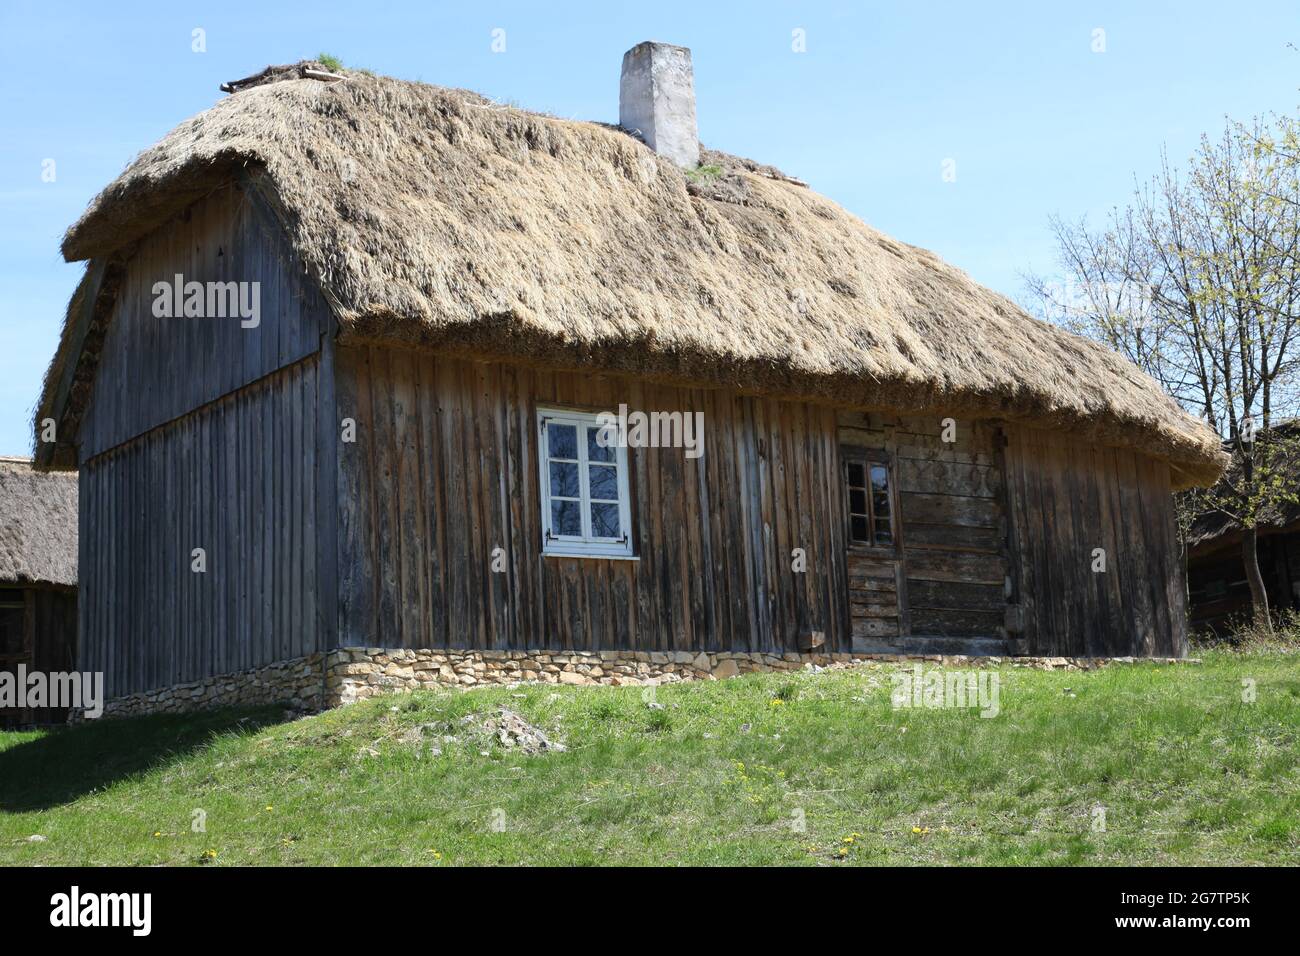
x=1035, y=120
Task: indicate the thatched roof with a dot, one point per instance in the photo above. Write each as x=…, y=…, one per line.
x=434, y=217
x=38, y=524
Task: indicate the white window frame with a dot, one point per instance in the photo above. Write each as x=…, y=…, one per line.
x=585, y=545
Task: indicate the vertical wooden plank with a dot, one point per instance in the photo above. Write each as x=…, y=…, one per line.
x=458, y=528
x=1159, y=546
x=324, y=537
x=778, y=538
x=493, y=478
x=514, y=488
x=405, y=493
x=388, y=555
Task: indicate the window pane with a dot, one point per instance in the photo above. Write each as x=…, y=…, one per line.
x=564, y=479
x=11, y=630
x=604, y=521
x=562, y=441
x=880, y=505
x=566, y=518
x=858, y=528
x=604, y=482
x=594, y=436
x=857, y=501
x=856, y=479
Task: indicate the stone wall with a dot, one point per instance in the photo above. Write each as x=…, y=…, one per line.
x=356, y=673
x=295, y=684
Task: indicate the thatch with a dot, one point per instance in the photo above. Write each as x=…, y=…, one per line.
x=434, y=217
x=38, y=525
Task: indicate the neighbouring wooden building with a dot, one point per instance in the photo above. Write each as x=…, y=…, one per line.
x=401, y=450
x=38, y=578
x=1218, y=592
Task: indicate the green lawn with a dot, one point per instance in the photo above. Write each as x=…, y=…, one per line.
x=721, y=772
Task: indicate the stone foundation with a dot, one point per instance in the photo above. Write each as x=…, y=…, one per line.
x=295, y=684
x=357, y=673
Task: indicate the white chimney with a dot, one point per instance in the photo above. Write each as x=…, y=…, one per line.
x=656, y=98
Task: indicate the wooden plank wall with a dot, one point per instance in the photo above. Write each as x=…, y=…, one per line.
x=49, y=645
x=1279, y=564
x=954, y=530
x=949, y=564
x=444, y=471
x=877, y=595
x=1067, y=498
x=152, y=370
x=237, y=478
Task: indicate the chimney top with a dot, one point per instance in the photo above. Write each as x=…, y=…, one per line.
x=656, y=98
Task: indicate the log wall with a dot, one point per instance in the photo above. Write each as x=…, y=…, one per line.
x=946, y=575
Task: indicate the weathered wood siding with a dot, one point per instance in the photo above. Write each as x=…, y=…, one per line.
x=238, y=478
x=995, y=536
x=48, y=643
x=1218, y=592
x=954, y=528
x=444, y=471
x=152, y=370
x=946, y=574
x=1066, y=499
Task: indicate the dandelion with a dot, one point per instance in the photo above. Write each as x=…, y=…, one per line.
x=157, y=833
x=269, y=808
x=436, y=855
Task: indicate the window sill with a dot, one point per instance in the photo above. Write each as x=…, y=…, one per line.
x=552, y=553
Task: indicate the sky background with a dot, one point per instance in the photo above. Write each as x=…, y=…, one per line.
x=1036, y=122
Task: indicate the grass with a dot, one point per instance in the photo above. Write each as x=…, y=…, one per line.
x=704, y=173
x=763, y=769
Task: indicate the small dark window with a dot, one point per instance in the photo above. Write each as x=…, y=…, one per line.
x=880, y=511
x=870, y=511
x=11, y=622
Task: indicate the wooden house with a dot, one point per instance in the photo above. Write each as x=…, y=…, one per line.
x=1218, y=593
x=402, y=449
x=38, y=579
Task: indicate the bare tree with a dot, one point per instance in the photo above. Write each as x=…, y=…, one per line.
x=1197, y=282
